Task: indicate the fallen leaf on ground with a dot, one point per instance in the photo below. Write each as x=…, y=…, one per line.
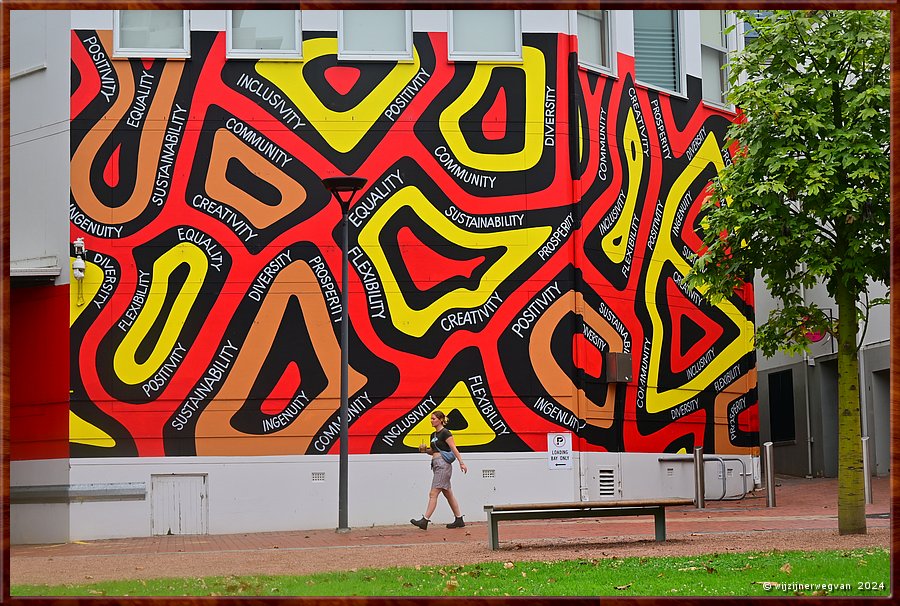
x=623, y=587
x=786, y=569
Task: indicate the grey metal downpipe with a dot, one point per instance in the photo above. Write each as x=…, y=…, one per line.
x=770, y=474
x=699, y=479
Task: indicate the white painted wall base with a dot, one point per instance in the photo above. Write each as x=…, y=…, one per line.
x=265, y=494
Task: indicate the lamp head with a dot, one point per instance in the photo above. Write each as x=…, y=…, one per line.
x=344, y=185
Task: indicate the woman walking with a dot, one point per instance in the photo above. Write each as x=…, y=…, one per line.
x=443, y=452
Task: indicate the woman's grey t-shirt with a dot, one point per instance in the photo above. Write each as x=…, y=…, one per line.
x=439, y=439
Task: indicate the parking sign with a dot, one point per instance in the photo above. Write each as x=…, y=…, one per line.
x=559, y=450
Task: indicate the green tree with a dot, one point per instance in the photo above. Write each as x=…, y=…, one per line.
x=807, y=197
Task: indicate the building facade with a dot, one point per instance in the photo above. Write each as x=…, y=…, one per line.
x=534, y=184
x=798, y=394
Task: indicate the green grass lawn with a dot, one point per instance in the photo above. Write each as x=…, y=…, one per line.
x=859, y=572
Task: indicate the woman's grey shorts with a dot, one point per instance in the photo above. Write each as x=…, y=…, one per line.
x=442, y=471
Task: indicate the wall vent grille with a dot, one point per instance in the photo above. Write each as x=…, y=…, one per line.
x=318, y=476
x=607, y=482
x=487, y=473
x=670, y=471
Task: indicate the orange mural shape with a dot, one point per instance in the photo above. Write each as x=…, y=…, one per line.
x=227, y=147
x=152, y=137
x=214, y=433
x=554, y=379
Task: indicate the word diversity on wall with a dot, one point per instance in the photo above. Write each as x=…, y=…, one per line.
x=520, y=222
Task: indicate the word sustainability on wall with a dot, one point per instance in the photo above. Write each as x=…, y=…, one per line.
x=520, y=223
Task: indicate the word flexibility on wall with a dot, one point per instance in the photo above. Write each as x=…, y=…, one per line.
x=520, y=222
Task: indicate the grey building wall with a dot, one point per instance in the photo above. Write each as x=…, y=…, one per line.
x=39, y=140
x=817, y=420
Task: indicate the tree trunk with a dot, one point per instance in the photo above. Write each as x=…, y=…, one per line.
x=851, y=490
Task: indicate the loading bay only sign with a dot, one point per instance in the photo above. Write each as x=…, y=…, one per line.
x=559, y=450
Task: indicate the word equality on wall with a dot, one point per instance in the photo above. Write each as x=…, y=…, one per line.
x=519, y=223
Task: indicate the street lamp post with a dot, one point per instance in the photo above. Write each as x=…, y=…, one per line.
x=349, y=186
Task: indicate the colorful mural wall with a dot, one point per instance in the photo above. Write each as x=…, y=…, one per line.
x=520, y=221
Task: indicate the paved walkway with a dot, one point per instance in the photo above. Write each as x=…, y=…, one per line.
x=806, y=508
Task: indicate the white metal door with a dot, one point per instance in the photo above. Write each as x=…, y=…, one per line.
x=178, y=504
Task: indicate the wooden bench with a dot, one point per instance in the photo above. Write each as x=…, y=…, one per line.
x=581, y=509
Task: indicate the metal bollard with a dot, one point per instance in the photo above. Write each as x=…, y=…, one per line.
x=867, y=471
x=699, y=480
x=770, y=474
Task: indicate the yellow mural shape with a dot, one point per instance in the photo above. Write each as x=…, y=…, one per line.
x=341, y=130
x=535, y=72
x=519, y=244
x=716, y=362
x=126, y=366
x=476, y=433
x=615, y=243
x=82, y=432
x=90, y=286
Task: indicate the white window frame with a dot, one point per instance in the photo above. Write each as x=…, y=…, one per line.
x=172, y=53
x=610, y=43
x=725, y=51
x=679, y=60
x=407, y=55
x=264, y=53
x=508, y=57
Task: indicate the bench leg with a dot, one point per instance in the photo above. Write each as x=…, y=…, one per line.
x=493, y=539
x=659, y=519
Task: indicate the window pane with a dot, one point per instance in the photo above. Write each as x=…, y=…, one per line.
x=592, y=38
x=375, y=31
x=656, y=48
x=258, y=30
x=484, y=32
x=151, y=29
x=713, y=74
x=711, y=25
x=781, y=406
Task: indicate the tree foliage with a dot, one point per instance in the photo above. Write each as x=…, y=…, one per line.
x=807, y=196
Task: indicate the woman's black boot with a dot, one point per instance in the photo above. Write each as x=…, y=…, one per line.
x=457, y=523
x=423, y=523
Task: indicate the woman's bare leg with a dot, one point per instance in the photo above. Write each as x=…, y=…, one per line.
x=432, y=502
x=451, y=500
